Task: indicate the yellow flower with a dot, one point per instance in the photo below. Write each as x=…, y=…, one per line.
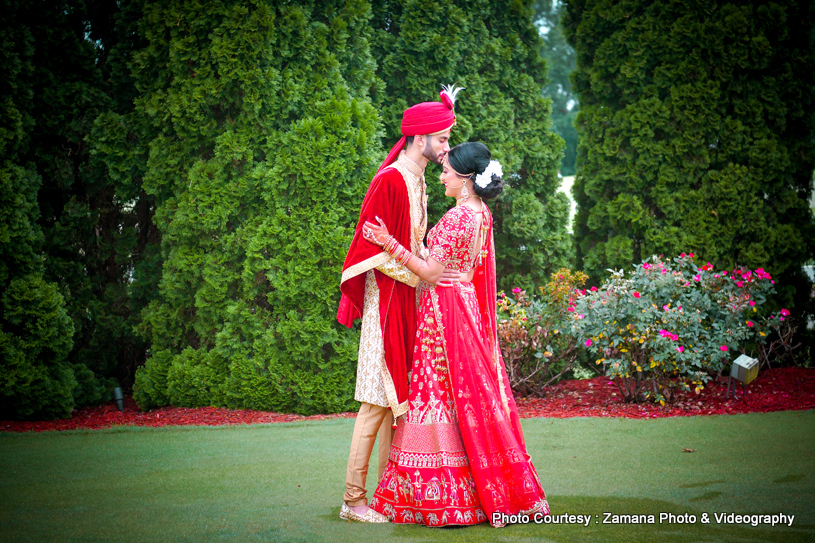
x=762, y=333
x=661, y=402
x=642, y=339
x=754, y=310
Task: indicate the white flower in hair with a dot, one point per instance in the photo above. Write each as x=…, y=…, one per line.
x=485, y=178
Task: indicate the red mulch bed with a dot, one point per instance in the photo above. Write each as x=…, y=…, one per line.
x=782, y=389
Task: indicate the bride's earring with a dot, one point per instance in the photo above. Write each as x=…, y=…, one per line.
x=463, y=195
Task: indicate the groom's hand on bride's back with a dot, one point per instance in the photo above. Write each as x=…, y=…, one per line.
x=449, y=276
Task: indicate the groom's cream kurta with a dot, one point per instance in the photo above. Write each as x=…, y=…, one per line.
x=374, y=386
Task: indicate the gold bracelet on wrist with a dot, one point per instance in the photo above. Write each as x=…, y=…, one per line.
x=390, y=245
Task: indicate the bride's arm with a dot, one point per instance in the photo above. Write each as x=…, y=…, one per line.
x=429, y=270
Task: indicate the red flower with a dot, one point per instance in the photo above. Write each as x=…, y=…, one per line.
x=636, y=294
x=723, y=347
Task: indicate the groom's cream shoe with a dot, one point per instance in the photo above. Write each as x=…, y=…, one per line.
x=370, y=515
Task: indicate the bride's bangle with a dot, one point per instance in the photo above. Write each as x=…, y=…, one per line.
x=404, y=256
x=390, y=245
x=397, y=251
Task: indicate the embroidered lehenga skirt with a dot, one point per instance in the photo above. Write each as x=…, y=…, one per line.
x=458, y=454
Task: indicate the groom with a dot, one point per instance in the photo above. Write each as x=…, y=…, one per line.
x=382, y=292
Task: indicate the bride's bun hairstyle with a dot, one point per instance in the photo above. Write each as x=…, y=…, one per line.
x=473, y=158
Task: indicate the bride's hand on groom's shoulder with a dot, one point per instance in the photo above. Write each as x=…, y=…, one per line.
x=375, y=233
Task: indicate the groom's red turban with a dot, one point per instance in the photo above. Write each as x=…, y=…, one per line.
x=424, y=119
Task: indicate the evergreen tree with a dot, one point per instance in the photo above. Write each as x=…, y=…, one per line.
x=262, y=140
x=35, y=330
x=560, y=58
x=696, y=125
x=492, y=49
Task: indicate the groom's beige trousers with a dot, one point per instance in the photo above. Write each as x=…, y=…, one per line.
x=372, y=420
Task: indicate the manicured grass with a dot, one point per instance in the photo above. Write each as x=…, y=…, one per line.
x=284, y=482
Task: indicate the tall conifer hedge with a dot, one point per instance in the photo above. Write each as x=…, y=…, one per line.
x=696, y=134
x=63, y=262
x=263, y=142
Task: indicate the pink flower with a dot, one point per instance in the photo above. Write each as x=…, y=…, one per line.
x=588, y=343
x=723, y=347
x=772, y=282
x=674, y=337
x=516, y=290
x=663, y=332
x=581, y=316
x=665, y=307
x=570, y=308
x=724, y=272
x=680, y=349
x=782, y=318
x=750, y=324
x=716, y=275
x=593, y=289
x=691, y=255
x=636, y=294
x=739, y=283
x=697, y=278
x=664, y=271
x=785, y=312
x=646, y=266
x=682, y=255
x=752, y=303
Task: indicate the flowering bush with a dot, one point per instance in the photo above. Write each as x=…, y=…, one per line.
x=534, y=333
x=672, y=324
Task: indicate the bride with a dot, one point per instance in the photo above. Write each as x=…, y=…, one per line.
x=458, y=456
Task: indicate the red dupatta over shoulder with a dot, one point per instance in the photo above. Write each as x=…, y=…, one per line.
x=387, y=198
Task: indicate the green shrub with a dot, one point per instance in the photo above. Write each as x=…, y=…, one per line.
x=150, y=388
x=672, y=324
x=35, y=339
x=535, y=333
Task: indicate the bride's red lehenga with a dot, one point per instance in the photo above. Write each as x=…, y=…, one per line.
x=458, y=454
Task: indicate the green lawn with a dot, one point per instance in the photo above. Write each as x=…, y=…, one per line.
x=285, y=482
